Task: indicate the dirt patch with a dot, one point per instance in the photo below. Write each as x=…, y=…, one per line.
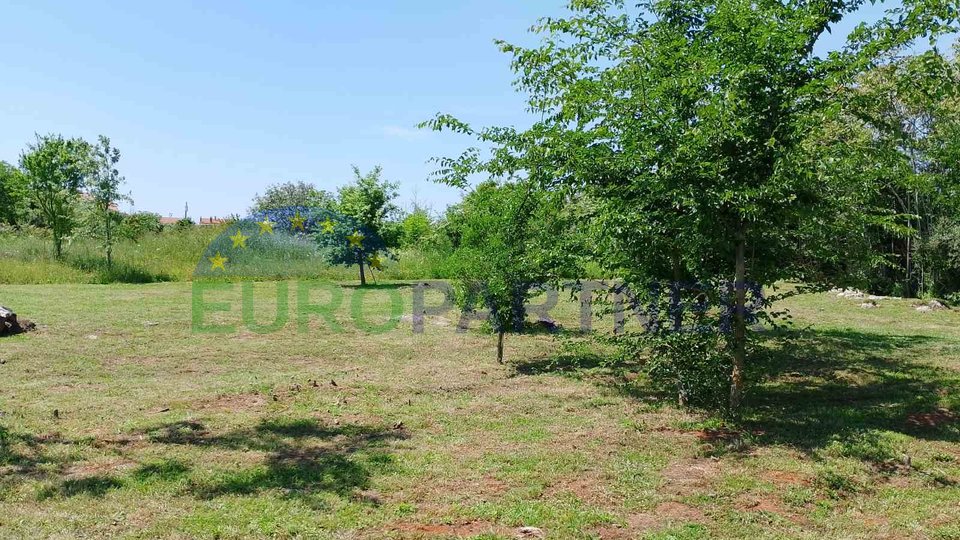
x=667, y=513
x=931, y=420
x=690, y=476
x=587, y=487
x=454, y=530
x=785, y=478
x=83, y=470
x=674, y=511
x=760, y=503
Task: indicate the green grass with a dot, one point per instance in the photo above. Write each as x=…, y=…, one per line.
x=117, y=420
x=175, y=256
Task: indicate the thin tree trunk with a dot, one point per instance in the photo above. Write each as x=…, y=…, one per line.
x=57, y=245
x=363, y=276
x=500, y=347
x=739, y=326
x=109, y=242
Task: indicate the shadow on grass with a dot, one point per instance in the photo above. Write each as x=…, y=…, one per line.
x=297, y=458
x=829, y=386
x=377, y=286
x=120, y=272
x=95, y=486
x=303, y=457
x=815, y=389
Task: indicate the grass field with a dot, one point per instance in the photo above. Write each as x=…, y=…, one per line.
x=119, y=420
x=170, y=256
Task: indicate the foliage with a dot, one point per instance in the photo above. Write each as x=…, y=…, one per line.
x=942, y=253
x=507, y=233
x=686, y=124
x=290, y=195
x=57, y=169
x=138, y=224
x=104, y=189
x=368, y=205
x=908, y=112
x=13, y=194
x=184, y=224
x=416, y=227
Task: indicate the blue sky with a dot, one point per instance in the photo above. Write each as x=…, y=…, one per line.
x=210, y=102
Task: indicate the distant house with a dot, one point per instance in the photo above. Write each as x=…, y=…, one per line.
x=89, y=198
x=206, y=222
x=169, y=220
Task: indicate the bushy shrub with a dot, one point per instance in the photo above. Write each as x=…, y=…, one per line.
x=137, y=225
x=184, y=224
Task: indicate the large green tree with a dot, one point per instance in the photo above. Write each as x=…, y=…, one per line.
x=297, y=194
x=57, y=169
x=688, y=122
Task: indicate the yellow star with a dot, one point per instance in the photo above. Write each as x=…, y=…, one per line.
x=239, y=240
x=356, y=240
x=266, y=226
x=297, y=222
x=218, y=262
x=328, y=226
x=376, y=263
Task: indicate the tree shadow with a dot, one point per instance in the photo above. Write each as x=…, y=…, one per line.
x=300, y=458
x=843, y=385
x=95, y=486
x=814, y=389
x=378, y=286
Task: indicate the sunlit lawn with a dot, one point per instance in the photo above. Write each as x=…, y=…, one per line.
x=119, y=420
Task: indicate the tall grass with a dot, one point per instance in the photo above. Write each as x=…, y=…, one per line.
x=174, y=256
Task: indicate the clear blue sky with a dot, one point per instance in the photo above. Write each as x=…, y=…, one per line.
x=209, y=102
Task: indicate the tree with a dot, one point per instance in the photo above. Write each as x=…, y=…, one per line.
x=369, y=202
x=104, y=189
x=298, y=194
x=687, y=123
x=908, y=110
x=13, y=194
x=509, y=233
x=56, y=169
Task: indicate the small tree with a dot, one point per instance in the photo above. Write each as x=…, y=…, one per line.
x=57, y=169
x=291, y=195
x=368, y=201
x=104, y=188
x=506, y=234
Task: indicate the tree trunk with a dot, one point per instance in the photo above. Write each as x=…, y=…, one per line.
x=500, y=347
x=109, y=239
x=739, y=326
x=363, y=276
x=57, y=245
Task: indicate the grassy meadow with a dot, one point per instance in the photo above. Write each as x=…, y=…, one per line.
x=118, y=420
x=169, y=256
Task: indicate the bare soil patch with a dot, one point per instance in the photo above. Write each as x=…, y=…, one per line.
x=690, y=476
